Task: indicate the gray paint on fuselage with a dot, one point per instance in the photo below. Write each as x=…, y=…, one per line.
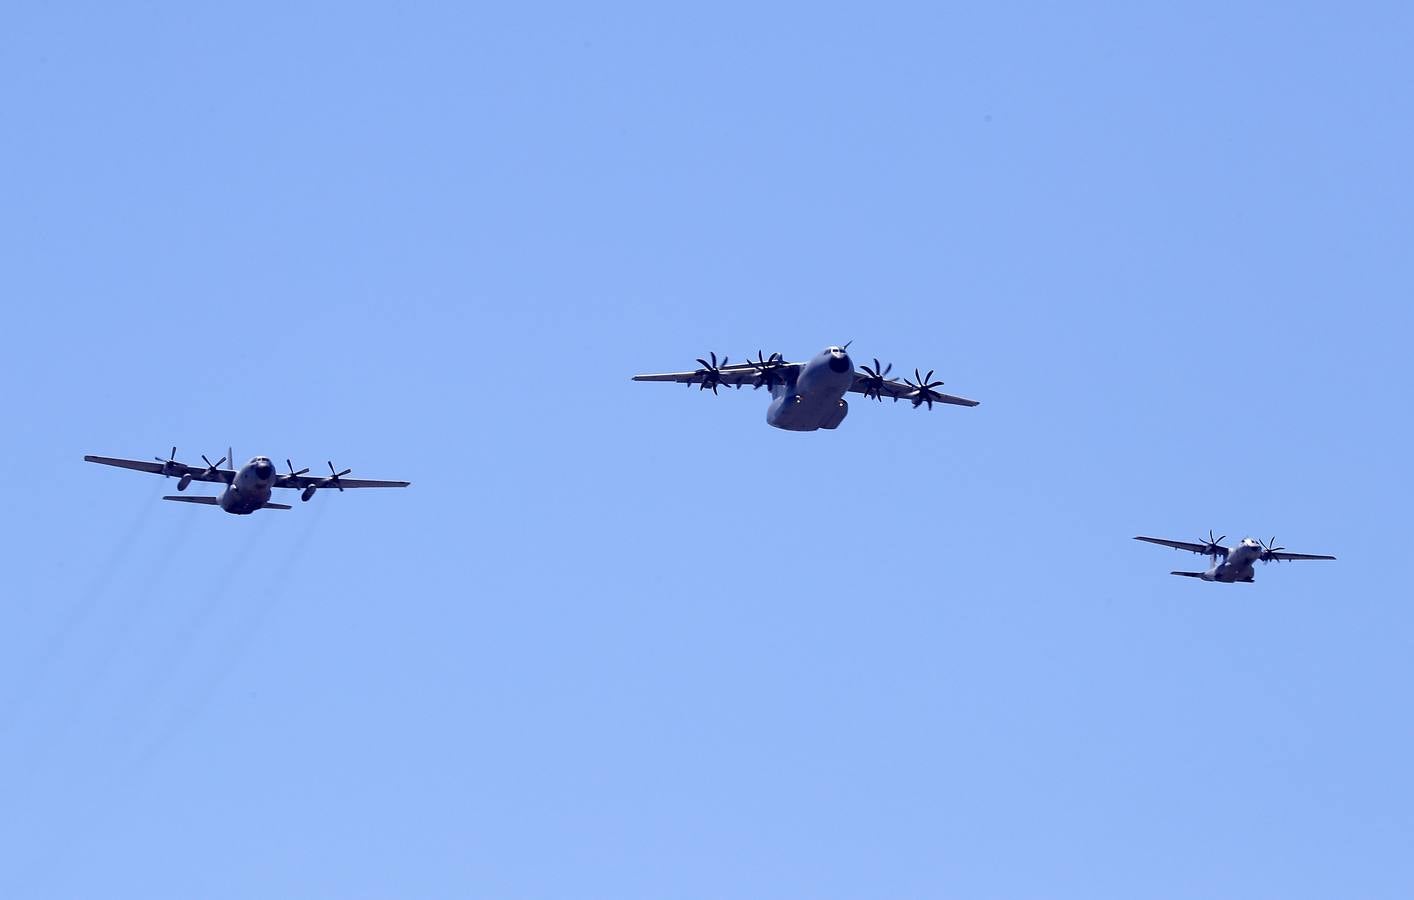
x=250, y=489
x=1237, y=567
x=815, y=397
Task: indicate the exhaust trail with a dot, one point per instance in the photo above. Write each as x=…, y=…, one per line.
x=77, y=615
x=94, y=676
x=242, y=635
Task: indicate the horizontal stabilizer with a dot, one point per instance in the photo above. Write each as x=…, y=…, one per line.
x=276, y=506
x=1189, y=574
x=204, y=501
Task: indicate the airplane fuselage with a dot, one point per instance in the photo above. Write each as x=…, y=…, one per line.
x=250, y=489
x=1237, y=567
x=815, y=398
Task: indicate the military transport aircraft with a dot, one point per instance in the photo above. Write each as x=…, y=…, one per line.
x=1236, y=564
x=810, y=395
x=246, y=489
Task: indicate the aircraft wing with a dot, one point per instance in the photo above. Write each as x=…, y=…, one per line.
x=174, y=469
x=1200, y=549
x=1286, y=556
x=300, y=482
x=730, y=376
x=863, y=384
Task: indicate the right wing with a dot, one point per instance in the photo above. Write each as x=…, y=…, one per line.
x=748, y=374
x=173, y=469
x=1200, y=549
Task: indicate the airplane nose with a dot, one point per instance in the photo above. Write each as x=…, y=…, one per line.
x=264, y=470
x=840, y=363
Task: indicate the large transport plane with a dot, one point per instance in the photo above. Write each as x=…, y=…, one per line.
x=248, y=488
x=1231, y=565
x=806, y=396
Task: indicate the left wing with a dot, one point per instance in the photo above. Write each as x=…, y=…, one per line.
x=171, y=468
x=1285, y=556
x=304, y=481
x=889, y=387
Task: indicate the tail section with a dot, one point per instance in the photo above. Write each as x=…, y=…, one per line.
x=1189, y=574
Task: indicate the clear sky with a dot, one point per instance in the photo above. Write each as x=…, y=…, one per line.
x=624, y=640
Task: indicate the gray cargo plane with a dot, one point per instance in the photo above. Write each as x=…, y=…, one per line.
x=806, y=396
x=1236, y=564
x=247, y=488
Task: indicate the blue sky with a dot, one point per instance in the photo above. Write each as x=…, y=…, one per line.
x=624, y=640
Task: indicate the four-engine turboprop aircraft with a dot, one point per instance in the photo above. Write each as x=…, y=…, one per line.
x=1236, y=562
x=809, y=395
x=247, y=488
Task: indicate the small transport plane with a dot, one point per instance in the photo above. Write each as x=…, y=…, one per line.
x=1235, y=566
x=806, y=396
x=247, y=488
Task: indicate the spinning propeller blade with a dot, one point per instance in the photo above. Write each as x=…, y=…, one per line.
x=1269, y=548
x=335, y=476
x=878, y=376
x=711, y=372
x=766, y=370
x=168, y=463
x=923, y=389
x=1213, y=545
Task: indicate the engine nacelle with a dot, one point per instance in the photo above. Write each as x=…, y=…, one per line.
x=183, y=482
x=308, y=492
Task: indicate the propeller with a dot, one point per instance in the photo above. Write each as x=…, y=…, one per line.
x=1213, y=545
x=335, y=476
x=766, y=374
x=1269, y=548
x=878, y=377
x=293, y=473
x=211, y=467
x=168, y=464
x=923, y=390
x=711, y=372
